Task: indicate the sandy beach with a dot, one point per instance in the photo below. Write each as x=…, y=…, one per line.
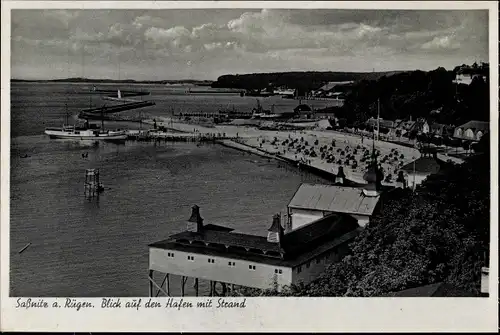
x=324, y=150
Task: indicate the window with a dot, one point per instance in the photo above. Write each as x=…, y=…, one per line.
x=170, y=254
x=211, y=260
x=251, y=267
x=279, y=271
x=190, y=258
x=318, y=260
x=308, y=265
x=299, y=269
x=231, y=263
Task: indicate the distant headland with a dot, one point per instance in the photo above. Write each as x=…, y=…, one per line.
x=113, y=81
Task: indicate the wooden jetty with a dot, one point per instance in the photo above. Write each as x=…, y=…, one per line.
x=97, y=113
x=175, y=137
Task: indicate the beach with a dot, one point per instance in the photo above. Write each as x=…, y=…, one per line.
x=268, y=142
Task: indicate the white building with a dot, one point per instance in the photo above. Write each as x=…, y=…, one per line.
x=417, y=171
x=312, y=202
x=472, y=130
x=218, y=254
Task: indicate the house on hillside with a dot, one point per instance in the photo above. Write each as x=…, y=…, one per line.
x=417, y=171
x=437, y=129
x=385, y=124
x=472, y=130
x=421, y=126
x=467, y=78
x=403, y=127
x=312, y=201
x=328, y=89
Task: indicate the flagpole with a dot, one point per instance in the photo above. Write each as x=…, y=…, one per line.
x=378, y=118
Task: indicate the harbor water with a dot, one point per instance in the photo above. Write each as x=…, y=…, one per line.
x=82, y=248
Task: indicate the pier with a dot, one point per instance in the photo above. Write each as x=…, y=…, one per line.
x=176, y=137
x=97, y=113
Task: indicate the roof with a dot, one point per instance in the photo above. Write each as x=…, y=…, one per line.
x=387, y=123
x=333, y=198
x=302, y=108
x=407, y=124
x=383, y=123
x=318, y=232
x=228, y=238
x=328, y=86
x=299, y=246
x=298, y=259
x=432, y=290
x=423, y=165
x=476, y=125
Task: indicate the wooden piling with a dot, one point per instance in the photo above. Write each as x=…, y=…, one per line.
x=196, y=286
x=150, y=276
x=163, y=282
x=183, y=282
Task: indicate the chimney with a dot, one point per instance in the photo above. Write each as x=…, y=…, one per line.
x=275, y=232
x=195, y=222
x=339, y=178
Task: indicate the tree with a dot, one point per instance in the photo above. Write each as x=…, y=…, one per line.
x=440, y=233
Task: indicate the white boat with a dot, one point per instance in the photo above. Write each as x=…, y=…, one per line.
x=85, y=132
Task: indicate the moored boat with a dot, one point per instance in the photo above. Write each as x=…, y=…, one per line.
x=82, y=133
x=86, y=131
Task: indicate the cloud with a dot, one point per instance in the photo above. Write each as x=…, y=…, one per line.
x=442, y=42
x=251, y=39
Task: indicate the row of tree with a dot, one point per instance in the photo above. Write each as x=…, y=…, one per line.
x=304, y=82
x=431, y=95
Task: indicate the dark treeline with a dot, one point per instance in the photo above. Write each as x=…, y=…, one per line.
x=303, y=81
x=431, y=95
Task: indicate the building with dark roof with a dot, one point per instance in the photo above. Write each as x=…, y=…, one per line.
x=472, y=130
x=313, y=201
x=417, y=171
x=218, y=254
x=321, y=221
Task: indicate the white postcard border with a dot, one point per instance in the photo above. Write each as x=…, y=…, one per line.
x=265, y=314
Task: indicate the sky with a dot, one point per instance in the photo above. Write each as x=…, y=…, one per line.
x=207, y=43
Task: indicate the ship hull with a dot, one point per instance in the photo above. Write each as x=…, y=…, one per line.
x=54, y=134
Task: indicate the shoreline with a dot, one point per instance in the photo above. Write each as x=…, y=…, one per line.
x=270, y=144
